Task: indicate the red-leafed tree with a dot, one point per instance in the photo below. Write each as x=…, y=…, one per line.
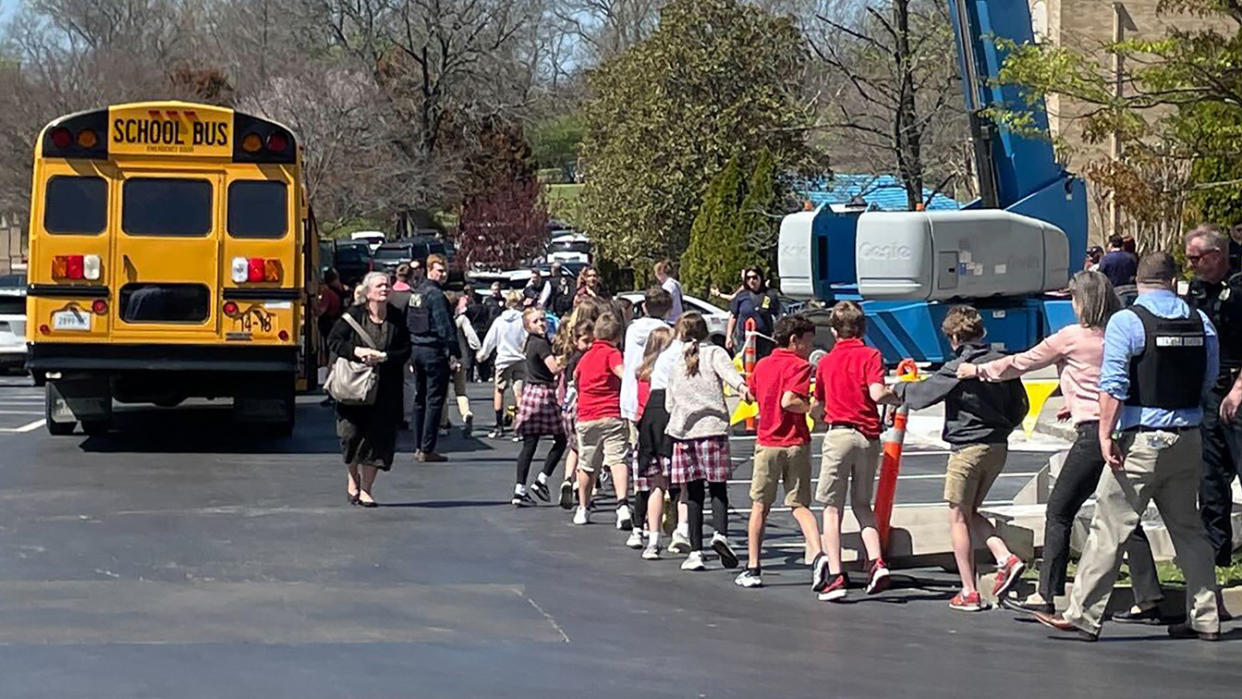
x=506, y=226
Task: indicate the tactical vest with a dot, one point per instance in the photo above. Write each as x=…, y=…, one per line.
x=1222, y=303
x=418, y=313
x=1168, y=373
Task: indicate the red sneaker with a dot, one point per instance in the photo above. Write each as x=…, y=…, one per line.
x=835, y=589
x=972, y=602
x=1007, y=575
x=878, y=580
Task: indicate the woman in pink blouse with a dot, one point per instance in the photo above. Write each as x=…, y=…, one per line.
x=1077, y=351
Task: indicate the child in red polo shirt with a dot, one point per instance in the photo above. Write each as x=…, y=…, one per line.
x=849, y=383
x=781, y=384
x=603, y=437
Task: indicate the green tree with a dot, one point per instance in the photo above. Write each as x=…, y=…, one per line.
x=718, y=248
x=717, y=79
x=1178, y=118
x=758, y=218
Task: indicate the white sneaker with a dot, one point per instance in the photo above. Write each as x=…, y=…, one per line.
x=624, y=521
x=582, y=516
x=636, y=539
x=680, y=544
x=651, y=553
x=748, y=578
x=694, y=562
x=722, y=547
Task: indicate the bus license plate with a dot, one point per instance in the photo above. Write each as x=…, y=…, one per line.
x=71, y=320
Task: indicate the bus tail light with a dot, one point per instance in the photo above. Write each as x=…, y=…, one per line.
x=99, y=307
x=76, y=267
x=255, y=269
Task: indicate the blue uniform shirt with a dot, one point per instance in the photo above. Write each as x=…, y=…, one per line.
x=1124, y=339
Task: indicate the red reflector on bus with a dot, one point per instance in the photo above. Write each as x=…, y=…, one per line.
x=74, y=267
x=99, y=307
x=61, y=138
x=44, y=329
x=277, y=142
x=254, y=269
x=230, y=309
x=284, y=336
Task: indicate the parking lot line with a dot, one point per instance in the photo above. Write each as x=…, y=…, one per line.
x=31, y=427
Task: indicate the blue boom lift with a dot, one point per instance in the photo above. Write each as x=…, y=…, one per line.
x=1003, y=253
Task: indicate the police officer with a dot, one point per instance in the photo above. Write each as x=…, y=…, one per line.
x=434, y=339
x=754, y=301
x=1218, y=293
x=1160, y=355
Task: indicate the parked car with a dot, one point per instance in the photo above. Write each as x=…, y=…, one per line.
x=389, y=256
x=12, y=321
x=511, y=279
x=373, y=239
x=716, y=317
x=569, y=246
x=352, y=261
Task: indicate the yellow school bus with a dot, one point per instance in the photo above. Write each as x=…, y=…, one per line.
x=172, y=255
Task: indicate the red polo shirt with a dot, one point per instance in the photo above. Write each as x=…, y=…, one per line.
x=841, y=384
x=599, y=389
x=781, y=371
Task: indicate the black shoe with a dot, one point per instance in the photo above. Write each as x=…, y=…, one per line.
x=1184, y=631
x=366, y=503
x=467, y=427
x=523, y=500
x=1147, y=616
x=568, y=495
x=541, y=491
x=353, y=499
x=1028, y=608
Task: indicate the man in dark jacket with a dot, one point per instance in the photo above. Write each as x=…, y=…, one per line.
x=434, y=338
x=978, y=418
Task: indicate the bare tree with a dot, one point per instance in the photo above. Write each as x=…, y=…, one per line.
x=894, y=103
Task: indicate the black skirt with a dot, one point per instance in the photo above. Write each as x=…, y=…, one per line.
x=653, y=439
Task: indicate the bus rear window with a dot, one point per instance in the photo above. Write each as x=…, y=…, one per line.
x=166, y=207
x=75, y=205
x=165, y=303
x=258, y=209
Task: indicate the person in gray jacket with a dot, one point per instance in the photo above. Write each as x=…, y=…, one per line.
x=978, y=418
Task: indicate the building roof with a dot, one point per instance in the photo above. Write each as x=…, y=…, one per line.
x=881, y=192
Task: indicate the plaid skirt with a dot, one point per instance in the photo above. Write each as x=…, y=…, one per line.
x=701, y=459
x=569, y=418
x=644, y=476
x=538, y=413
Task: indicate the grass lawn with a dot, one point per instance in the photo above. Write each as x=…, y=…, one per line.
x=1168, y=572
x=563, y=202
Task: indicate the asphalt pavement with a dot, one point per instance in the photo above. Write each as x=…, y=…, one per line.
x=178, y=557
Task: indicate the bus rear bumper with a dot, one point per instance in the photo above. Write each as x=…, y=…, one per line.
x=81, y=357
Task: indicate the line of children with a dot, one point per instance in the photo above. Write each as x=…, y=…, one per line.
x=681, y=436
x=539, y=412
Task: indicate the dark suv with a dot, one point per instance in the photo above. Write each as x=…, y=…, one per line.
x=391, y=255
x=351, y=260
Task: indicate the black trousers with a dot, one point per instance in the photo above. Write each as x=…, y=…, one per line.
x=1222, y=462
x=431, y=377
x=1080, y=474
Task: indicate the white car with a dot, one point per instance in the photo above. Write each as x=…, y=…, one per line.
x=12, y=321
x=373, y=239
x=716, y=317
x=569, y=247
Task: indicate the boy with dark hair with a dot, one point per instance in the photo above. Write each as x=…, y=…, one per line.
x=603, y=437
x=781, y=384
x=849, y=383
x=978, y=417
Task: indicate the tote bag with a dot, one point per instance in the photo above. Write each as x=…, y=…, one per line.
x=351, y=382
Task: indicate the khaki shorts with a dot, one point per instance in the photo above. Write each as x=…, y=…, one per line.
x=789, y=464
x=602, y=443
x=849, y=462
x=972, y=470
x=510, y=375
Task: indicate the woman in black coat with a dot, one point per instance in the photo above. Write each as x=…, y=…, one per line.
x=369, y=432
